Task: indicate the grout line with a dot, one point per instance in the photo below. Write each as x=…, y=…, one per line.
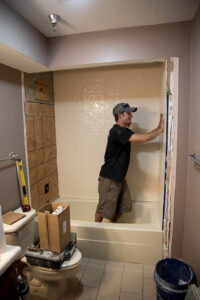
x=78, y=285
x=142, y=280
x=122, y=279
x=120, y=291
x=101, y=278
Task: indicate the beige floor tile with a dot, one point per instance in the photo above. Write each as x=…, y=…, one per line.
x=96, y=262
x=113, y=267
x=129, y=267
x=86, y=293
x=148, y=271
x=149, y=289
x=110, y=286
x=130, y=296
x=79, y=275
x=84, y=261
x=92, y=276
x=132, y=282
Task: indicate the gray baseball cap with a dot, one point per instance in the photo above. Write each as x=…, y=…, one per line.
x=123, y=107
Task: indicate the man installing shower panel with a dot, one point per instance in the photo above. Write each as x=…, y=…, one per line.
x=114, y=195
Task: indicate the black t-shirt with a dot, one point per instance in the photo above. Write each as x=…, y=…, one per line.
x=117, y=155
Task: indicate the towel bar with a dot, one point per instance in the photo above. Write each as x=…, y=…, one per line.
x=11, y=156
x=195, y=160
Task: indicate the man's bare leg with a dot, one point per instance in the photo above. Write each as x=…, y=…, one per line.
x=116, y=217
x=98, y=218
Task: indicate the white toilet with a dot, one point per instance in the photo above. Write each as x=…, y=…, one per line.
x=43, y=282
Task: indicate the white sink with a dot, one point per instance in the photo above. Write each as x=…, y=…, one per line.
x=11, y=254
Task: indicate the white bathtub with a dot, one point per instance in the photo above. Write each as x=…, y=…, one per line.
x=137, y=238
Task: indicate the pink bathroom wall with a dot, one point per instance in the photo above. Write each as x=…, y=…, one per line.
x=191, y=237
x=11, y=136
x=19, y=35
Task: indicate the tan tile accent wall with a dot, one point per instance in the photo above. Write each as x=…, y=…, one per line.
x=31, y=159
x=41, y=146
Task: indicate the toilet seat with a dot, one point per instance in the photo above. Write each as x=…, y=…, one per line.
x=68, y=269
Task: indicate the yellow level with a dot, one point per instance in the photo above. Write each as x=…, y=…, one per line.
x=22, y=186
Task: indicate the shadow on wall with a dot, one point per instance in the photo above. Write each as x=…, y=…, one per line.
x=110, y=83
x=143, y=165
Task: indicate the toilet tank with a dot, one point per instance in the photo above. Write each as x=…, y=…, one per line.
x=22, y=233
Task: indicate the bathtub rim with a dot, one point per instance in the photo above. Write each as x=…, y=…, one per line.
x=118, y=226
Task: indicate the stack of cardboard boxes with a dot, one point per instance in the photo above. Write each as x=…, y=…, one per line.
x=54, y=229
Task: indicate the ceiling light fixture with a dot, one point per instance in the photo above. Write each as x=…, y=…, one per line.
x=53, y=19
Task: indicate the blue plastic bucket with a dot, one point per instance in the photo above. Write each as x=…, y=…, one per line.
x=172, y=278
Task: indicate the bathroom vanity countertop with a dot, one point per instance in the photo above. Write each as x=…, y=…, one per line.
x=8, y=257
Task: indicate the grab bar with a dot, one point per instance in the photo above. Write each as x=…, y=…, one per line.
x=195, y=160
x=11, y=156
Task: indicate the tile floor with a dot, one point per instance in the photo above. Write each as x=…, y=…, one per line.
x=108, y=280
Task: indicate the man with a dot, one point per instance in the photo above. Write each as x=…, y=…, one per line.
x=114, y=195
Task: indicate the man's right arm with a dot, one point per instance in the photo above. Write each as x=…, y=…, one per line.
x=145, y=137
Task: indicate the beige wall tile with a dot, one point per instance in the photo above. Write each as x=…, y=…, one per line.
x=42, y=93
x=43, y=198
x=29, y=126
x=52, y=110
x=34, y=196
x=49, y=152
x=27, y=108
x=33, y=109
x=37, y=125
x=31, y=159
x=40, y=171
x=50, y=167
x=48, y=110
x=49, y=134
x=38, y=141
x=28, y=88
x=53, y=187
x=39, y=156
x=30, y=143
x=32, y=175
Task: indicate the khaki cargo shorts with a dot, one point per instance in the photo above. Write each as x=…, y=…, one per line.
x=114, y=198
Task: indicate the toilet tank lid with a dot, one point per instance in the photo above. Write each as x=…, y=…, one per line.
x=20, y=223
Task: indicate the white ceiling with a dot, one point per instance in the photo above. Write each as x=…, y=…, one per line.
x=78, y=16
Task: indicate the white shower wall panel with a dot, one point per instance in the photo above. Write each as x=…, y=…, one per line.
x=84, y=100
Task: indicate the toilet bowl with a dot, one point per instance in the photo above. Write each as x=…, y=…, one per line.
x=51, y=283
x=43, y=282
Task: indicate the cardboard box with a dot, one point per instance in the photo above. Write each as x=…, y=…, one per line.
x=54, y=230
